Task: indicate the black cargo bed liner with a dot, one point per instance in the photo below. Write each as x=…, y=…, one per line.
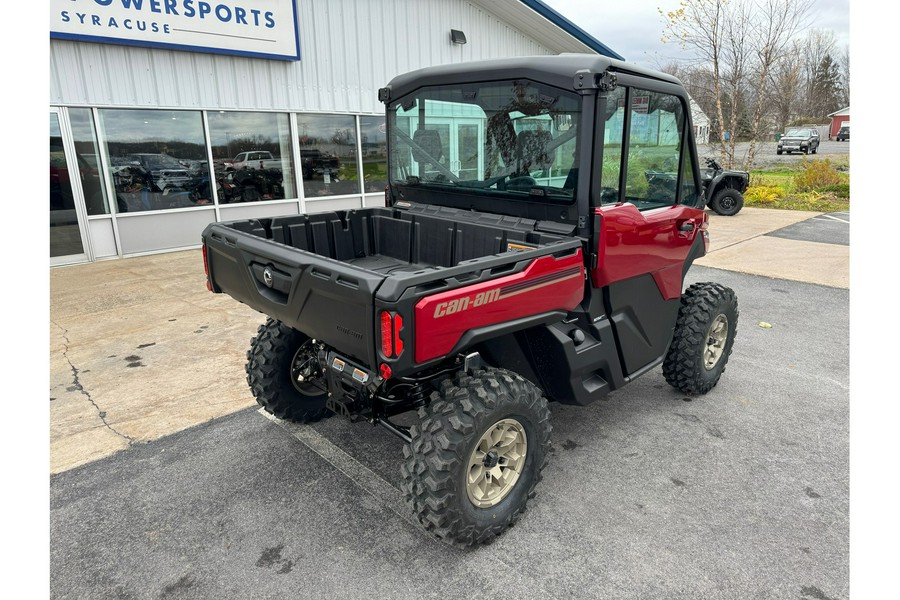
x=385, y=240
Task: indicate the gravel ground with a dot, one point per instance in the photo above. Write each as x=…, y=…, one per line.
x=766, y=156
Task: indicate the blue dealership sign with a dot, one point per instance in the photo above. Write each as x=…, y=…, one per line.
x=256, y=28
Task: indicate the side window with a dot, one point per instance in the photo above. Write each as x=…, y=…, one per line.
x=689, y=187
x=612, y=146
x=655, y=134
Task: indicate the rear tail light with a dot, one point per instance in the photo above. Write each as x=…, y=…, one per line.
x=398, y=343
x=391, y=324
x=387, y=334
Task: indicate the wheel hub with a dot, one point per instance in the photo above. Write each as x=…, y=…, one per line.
x=715, y=342
x=491, y=459
x=496, y=463
x=306, y=374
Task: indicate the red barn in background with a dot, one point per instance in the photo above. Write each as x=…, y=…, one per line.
x=837, y=119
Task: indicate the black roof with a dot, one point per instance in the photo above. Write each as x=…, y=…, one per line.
x=558, y=70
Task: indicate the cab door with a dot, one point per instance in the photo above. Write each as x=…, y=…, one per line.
x=648, y=222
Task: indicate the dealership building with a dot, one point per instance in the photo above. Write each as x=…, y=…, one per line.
x=178, y=113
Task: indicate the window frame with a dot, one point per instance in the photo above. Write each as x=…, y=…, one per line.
x=687, y=142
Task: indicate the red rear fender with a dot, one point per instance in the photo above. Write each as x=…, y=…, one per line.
x=547, y=284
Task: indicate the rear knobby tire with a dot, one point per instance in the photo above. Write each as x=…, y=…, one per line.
x=271, y=371
x=446, y=469
x=703, y=338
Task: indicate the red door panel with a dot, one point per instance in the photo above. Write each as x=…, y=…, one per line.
x=633, y=243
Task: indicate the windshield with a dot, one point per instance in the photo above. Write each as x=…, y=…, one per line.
x=515, y=138
x=797, y=132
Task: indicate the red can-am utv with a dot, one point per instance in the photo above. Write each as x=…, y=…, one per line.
x=540, y=217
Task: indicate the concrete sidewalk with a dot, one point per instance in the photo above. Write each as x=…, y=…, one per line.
x=139, y=349
x=740, y=243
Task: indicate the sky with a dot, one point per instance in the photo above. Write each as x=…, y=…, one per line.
x=633, y=28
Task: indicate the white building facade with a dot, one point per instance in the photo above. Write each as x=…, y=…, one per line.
x=701, y=123
x=144, y=128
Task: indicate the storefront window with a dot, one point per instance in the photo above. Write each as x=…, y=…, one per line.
x=87, y=154
x=157, y=157
x=252, y=158
x=374, y=153
x=328, y=155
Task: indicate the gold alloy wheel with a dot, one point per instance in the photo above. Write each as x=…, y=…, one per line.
x=496, y=463
x=715, y=342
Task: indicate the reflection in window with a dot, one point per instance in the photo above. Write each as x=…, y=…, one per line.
x=374, y=153
x=612, y=146
x=87, y=154
x=157, y=157
x=251, y=156
x=65, y=236
x=328, y=154
x=654, y=148
x=515, y=139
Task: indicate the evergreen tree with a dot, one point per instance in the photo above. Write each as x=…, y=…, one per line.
x=827, y=89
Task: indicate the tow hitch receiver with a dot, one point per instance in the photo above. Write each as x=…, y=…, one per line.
x=348, y=386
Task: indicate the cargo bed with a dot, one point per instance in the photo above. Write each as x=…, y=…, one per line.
x=314, y=271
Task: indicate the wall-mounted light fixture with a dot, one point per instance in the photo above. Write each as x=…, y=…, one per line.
x=457, y=36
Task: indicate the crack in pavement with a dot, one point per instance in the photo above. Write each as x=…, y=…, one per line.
x=80, y=388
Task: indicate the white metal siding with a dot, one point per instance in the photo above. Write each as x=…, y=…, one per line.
x=349, y=49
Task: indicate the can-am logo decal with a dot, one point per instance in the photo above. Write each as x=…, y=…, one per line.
x=442, y=309
x=460, y=304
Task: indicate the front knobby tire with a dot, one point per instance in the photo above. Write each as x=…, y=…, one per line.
x=476, y=455
x=283, y=374
x=727, y=202
x=703, y=338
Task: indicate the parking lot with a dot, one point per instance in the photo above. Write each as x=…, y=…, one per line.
x=766, y=156
x=740, y=493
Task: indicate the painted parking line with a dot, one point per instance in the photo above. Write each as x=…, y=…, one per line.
x=371, y=483
x=832, y=218
x=354, y=470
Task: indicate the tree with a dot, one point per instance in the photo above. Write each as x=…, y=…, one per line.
x=827, y=89
x=742, y=42
x=819, y=43
x=845, y=77
x=787, y=82
x=774, y=27
x=700, y=26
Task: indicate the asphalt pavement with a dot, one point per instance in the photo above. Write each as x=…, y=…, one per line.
x=742, y=493
x=166, y=481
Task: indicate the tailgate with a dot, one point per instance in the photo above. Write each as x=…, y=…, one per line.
x=324, y=298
